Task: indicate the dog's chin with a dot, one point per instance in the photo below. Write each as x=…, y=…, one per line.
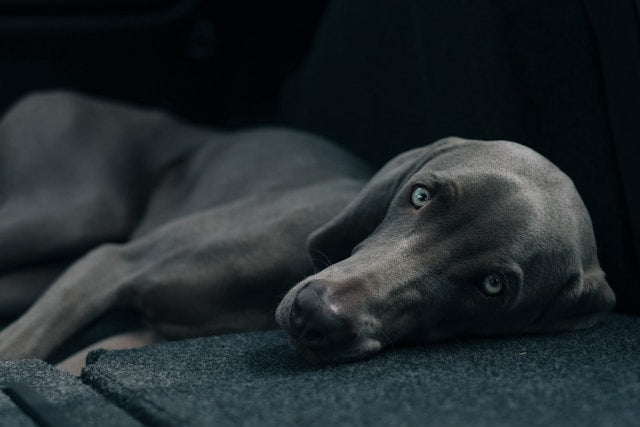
x=362, y=350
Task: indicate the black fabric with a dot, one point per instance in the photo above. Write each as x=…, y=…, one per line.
x=617, y=33
x=583, y=378
x=73, y=400
x=384, y=76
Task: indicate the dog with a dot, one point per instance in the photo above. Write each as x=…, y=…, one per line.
x=204, y=232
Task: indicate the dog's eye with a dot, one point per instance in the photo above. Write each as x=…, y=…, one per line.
x=492, y=285
x=420, y=196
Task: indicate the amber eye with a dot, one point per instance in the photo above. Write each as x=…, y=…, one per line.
x=420, y=196
x=492, y=285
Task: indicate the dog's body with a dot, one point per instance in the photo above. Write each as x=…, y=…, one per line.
x=205, y=232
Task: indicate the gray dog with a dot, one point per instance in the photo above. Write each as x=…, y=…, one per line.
x=204, y=232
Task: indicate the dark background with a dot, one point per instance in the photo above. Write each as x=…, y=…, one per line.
x=376, y=76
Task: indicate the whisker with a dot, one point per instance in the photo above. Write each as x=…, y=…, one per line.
x=393, y=347
x=328, y=261
x=283, y=293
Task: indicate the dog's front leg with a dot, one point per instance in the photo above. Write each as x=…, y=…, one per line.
x=87, y=289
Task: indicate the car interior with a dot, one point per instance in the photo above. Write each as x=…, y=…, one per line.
x=378, y=78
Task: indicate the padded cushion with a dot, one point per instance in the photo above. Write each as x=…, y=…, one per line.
x=589, y=377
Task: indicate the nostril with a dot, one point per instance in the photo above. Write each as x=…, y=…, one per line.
x=312, y=338
x=296, y=318
x=304, y=307
x=296, y=311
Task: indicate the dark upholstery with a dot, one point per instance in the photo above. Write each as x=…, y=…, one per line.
x=77, y=403
x=584, y=378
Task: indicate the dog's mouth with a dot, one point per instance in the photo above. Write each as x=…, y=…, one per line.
x=316, y=348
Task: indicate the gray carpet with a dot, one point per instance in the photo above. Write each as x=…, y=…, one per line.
x=585, y=378
x=74, y=403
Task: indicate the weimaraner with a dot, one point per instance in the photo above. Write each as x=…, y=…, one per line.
x=204, y=232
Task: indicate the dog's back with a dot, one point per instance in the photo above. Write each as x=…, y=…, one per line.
x=201, y=231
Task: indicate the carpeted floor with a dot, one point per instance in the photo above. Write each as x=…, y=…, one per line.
x=585, y=378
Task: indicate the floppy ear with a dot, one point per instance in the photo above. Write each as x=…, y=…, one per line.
x=335, y=240
x=581, y=303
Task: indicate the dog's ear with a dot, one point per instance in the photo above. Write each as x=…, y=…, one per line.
x=335, y=240
x=580, y=303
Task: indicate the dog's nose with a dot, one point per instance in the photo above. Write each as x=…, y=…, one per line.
x=314, y=321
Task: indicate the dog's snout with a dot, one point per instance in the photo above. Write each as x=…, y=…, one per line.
x=315, y=323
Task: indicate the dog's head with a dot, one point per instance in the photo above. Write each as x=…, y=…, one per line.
x=459, y=237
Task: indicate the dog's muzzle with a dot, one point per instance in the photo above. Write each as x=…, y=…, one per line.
x=327, y=322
